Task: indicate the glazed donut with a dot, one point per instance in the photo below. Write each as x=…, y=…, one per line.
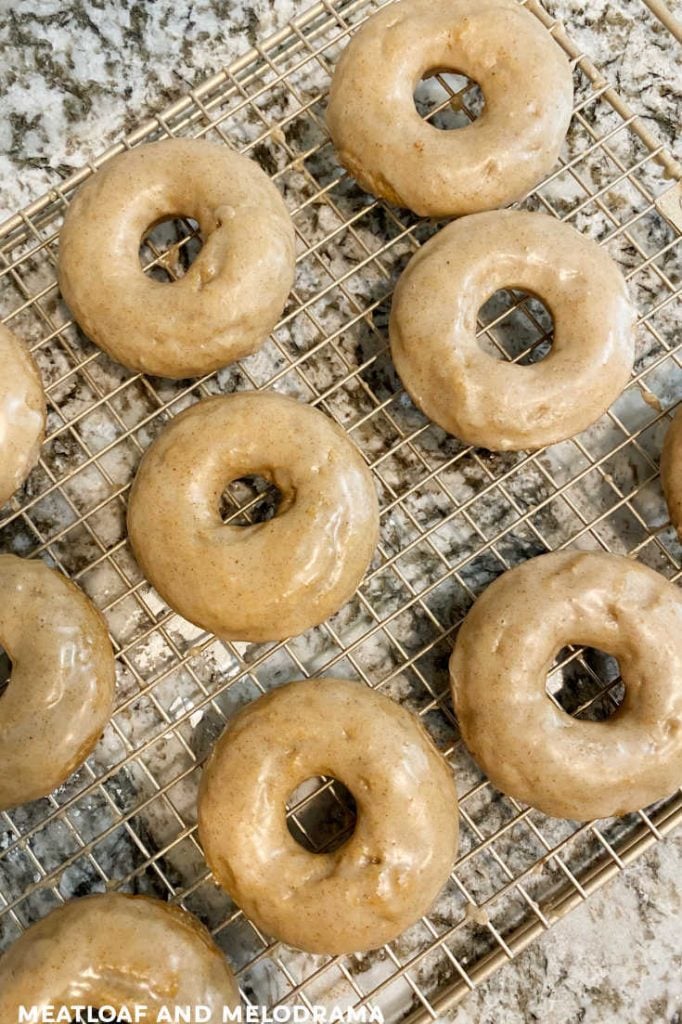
x=393, y=153
x=61, y=692
x=386, y=876
x=671, y=471
x=269, y=580
x=120, y=952
x=489, y=402
x=22, y=414
x=533, y=750
x=231, y=296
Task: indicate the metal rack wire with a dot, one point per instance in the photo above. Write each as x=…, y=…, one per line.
x=453, y=517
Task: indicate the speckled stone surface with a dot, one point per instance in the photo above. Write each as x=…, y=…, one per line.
x=75, y=76
x=616, y=959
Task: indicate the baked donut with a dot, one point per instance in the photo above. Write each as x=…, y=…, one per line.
x=120, y=953
x=671, y=471
x=269, y=580
x=530, y=748
x=231, y=296
x=489, y=402
x=393, y=153
x=22, y=414
x=386, y=876
x=61, y=692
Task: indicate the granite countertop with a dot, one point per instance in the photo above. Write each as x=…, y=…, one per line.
x=75, y=75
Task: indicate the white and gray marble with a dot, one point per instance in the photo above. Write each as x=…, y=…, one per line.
x=75, y=76
x=615, y=959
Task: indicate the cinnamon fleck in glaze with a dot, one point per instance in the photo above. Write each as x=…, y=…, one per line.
x=268, y=580
x=671, y=470
x=380, y=137
x=533, y=750
x=22, y=414
x=402, y=850
x=231, y=296
x=119, y=951
x=61, y=691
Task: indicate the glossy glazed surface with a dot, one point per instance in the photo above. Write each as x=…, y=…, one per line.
x=269, y=580
x=393, y=153
x=494, y=403
x=405, y=840
x=22, y=414
x=231, y=296
x=120, y=951
x=61, y=691
x=533, y=750
x=671, y=470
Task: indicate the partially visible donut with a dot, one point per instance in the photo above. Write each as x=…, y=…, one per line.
x=671, y=470
x=22, y=414
x=231, y=296
x=386, y=876
x=120, y=952
x=529, y=747
x=61, y=691
x=393, y=153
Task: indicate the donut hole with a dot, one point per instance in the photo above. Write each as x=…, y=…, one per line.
x=586, y=683
x=516, y=327
x=248, y=500
x=447, y=99
x=5, y=669
x=169, y=247
x=321, y=814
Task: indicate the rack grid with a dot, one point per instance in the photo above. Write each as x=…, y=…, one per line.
x=452, y=519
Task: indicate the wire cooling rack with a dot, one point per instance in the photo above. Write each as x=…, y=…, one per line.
x=452, y=519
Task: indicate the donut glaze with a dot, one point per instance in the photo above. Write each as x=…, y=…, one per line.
x=116, y=951
x=22, y=414
x=61, y=691
x=269, y=580
x=671, y=470
x=530, y=748
x=233, y=293
x=385, y=877
x=395, y=154
x=487, y=401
